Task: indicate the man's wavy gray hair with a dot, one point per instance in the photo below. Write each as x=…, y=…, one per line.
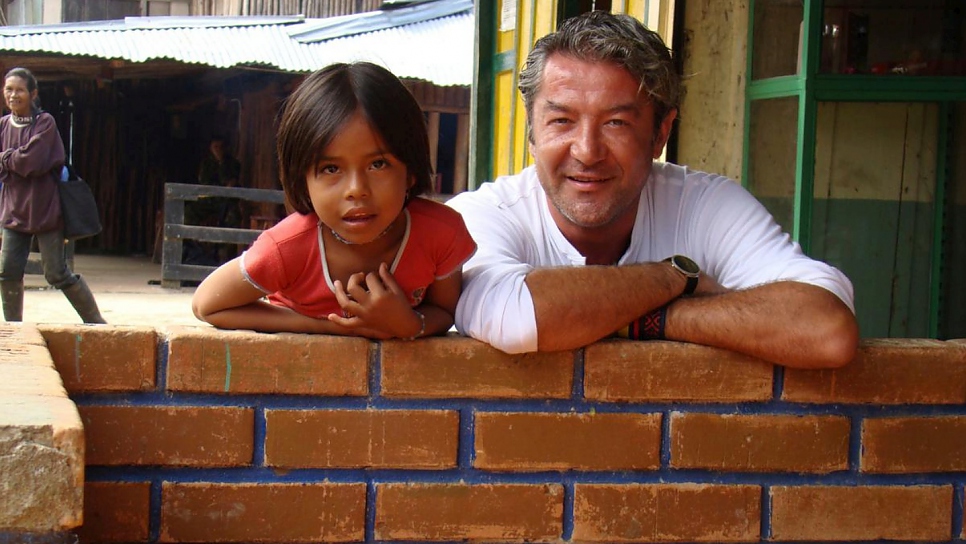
x=600, y=36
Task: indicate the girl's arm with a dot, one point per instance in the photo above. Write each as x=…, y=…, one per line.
x=381, y=310
x=439, y=306
x=227, y=301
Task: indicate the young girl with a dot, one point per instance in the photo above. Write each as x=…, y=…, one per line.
x=363, y=255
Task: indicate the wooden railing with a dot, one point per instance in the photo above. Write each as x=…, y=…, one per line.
x=173, y=269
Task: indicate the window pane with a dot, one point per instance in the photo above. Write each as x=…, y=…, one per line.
x=911, y=37
x=771, y=156
x=775, y=44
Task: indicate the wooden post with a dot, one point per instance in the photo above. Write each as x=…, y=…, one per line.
x=462, y=151
x=432, y=127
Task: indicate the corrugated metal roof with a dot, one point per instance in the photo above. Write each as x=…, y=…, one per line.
x=437, y=47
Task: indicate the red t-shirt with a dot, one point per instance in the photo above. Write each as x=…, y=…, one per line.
x=287, y=261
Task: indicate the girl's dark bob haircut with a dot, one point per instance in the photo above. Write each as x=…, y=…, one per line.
x=316, y=111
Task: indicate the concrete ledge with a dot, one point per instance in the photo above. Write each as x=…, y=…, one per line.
x=41, y=439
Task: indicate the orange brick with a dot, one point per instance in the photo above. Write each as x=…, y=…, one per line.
x=208, y=512
x=99, y=359
x=862, y=513
x=457, y=367
x=23, y=345
x=415, y=439
x=628, y=371
x=887, y=371
x=455, y=512
x=165, y=435
x=914, y=444
x=759, y=443
x=666, y=513
x=212, y=361
x=535, y=441
x=116, y=512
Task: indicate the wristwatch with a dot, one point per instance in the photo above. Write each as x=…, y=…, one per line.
x=688, y=268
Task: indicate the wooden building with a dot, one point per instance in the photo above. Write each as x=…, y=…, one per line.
x=134, y=125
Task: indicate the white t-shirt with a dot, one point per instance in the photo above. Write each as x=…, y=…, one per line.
x=709, y=218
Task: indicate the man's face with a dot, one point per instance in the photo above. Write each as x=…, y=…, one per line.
x=593, y=141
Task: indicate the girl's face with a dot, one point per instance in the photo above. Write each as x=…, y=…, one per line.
x=358, y=188
x=17, y=97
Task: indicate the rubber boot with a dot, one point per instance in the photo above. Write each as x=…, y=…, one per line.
x=11, y=291
x=82, y=300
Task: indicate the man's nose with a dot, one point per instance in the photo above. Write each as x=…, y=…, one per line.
x=588, y=145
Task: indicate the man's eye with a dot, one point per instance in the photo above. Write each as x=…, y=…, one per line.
x=617, y=122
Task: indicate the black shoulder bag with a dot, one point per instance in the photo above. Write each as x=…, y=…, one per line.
x=78, y=208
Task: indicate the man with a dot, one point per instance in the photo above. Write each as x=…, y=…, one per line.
x=574, y=248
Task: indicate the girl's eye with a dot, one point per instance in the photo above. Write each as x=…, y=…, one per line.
x=379, y=164
x=327, y=169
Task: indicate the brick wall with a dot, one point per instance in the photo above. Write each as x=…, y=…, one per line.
x=198, y=435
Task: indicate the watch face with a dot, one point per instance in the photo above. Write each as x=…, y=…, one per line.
x=686, y=265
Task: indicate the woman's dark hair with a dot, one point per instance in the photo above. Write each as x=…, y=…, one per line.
x=316, y=112
x=599, y=36
x=27, y=76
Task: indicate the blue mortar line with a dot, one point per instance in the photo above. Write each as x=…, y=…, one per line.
x=343, y=475
x=370, y=528
x=154, y=516
x=765, y=513
x=375, y=371
x=855, y=443
x=664, y=451
x=466, y=440
x=958, y=496
x=778, y=383
x=161, y=372
x=261, y=429
x=577, y=387
x=568, y=510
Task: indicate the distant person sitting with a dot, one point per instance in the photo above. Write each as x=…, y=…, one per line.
x=220, y=169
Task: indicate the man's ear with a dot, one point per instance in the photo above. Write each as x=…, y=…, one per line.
x=663, y=133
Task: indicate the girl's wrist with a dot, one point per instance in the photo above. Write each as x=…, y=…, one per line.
x=422, y=326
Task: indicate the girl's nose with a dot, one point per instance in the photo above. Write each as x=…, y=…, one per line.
x=358, y=186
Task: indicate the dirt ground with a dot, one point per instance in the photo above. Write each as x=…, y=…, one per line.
x=124, y=293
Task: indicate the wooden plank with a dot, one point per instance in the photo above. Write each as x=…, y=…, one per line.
x=462, y=151
x=217, y=235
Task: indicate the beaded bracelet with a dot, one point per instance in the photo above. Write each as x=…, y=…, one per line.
x=649, y=326
x=422, y=326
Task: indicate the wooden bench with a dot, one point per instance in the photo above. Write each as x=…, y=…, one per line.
x=173, y=269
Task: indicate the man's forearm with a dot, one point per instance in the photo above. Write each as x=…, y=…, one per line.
x=576, y=306
x=789, y=323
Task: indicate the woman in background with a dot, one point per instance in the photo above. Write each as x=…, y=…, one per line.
x=31, y=159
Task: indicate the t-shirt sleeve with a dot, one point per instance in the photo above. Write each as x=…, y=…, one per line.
x=262, y=264
x=495, y=306
x=744, y=245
